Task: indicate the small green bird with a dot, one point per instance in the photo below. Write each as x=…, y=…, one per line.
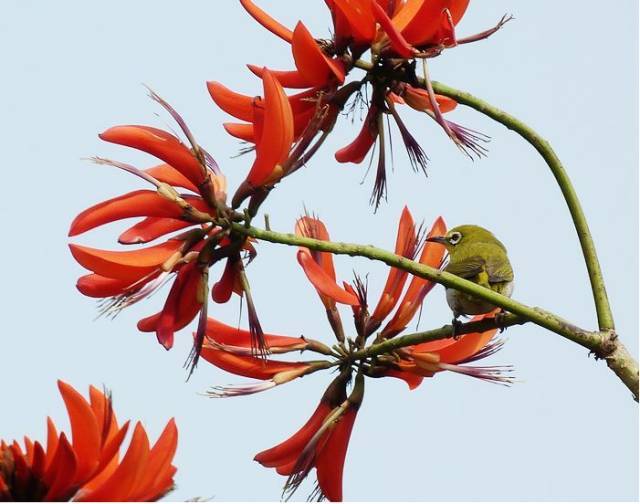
x=477, y=255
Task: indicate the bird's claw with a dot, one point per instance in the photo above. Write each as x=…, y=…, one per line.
x=500, y=319
x=456, y=328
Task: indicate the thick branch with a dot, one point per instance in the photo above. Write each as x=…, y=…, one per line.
x=539, y=316
x=618, y=358
x=603, y=309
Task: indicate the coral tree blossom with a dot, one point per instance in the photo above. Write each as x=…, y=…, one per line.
x=88, y=467
x=178, y=215
x=322, y=442
x=398, y=34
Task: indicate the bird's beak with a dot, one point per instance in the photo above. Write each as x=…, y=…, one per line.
x=438, y=239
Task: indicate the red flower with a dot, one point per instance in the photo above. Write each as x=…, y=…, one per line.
x=89, y=467
x=122, y=278
x=397, y=33
x=322, y=442
x=422, y=360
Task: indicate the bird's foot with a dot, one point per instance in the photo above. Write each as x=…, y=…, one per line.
x=500, y=320
x=456, y=328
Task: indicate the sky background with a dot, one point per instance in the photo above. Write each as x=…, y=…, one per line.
x=566, y=431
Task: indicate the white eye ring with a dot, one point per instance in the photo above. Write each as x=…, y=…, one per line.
x=455, y=238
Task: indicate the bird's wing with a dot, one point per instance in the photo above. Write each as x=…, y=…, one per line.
x=469, y=267
x=499, y=270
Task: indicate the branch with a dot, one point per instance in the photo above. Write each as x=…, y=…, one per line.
x=435, y=334
x=603, y=309
x=604, y=345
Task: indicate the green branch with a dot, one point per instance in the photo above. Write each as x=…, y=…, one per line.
x=446, y=331
x=603, y=309
x=603, y=344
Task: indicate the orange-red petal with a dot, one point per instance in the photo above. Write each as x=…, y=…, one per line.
x=405, y=244
x=468, y=345
x=356, y=151
x=330, y=460
x=277, y=132
x=150, y=229
x=292, y=79
x=289, y=450
x=246, y=365
x=267, y=21
x=324, y=284
x=238, y=105
x=169, y=175
x=133, y=204
x=160, y=144
x=85, y=434
x=121, y=483
x=397, y=41
x=234, y=336
x=314, y=66
x=124, y=265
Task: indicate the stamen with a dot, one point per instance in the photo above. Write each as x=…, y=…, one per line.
x=487, y=33
x=126, y=167
x=111, y=307
x=219, y=391
x=417, y=157
x=380, y=186
x=494, y=346
x=492, y=374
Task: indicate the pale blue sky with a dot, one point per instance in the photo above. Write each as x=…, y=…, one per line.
x=567, y=431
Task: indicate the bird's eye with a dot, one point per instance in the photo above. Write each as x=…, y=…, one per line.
x=455, y=238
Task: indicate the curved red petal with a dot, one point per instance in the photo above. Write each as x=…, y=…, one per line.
x=247, y=366
x=86, y=438
x=241, y=130
x=412, y=380
x=267, y=21
x=315, y=66
x=153, y=481
x=133, y=204
x=150, y=229
x=97, y=286
x=356, y=151
x=119, y=486
x=277, y=132
x=330, y=460
x=360, y=18
x=60, y=475
x=238, y=105
x=424, y=25
x=169, y=175
x=398, y=42
x=160, y=144
x=310, y=227
x=289, y=450
x=234, y=336
x=323, y=283
x=292, y=79
x=124, y=265
x=405, y=245
x=468, y=345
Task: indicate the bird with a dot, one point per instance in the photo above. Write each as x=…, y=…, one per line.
x=476, y=255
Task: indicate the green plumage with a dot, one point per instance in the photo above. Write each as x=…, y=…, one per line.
x=477, y=255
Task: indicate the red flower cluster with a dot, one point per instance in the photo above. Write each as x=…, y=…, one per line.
x=89, y=468
x=397, y=33
x=189, y=194
x=322, y=442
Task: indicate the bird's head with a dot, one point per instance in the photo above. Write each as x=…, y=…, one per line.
x=464, y=235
